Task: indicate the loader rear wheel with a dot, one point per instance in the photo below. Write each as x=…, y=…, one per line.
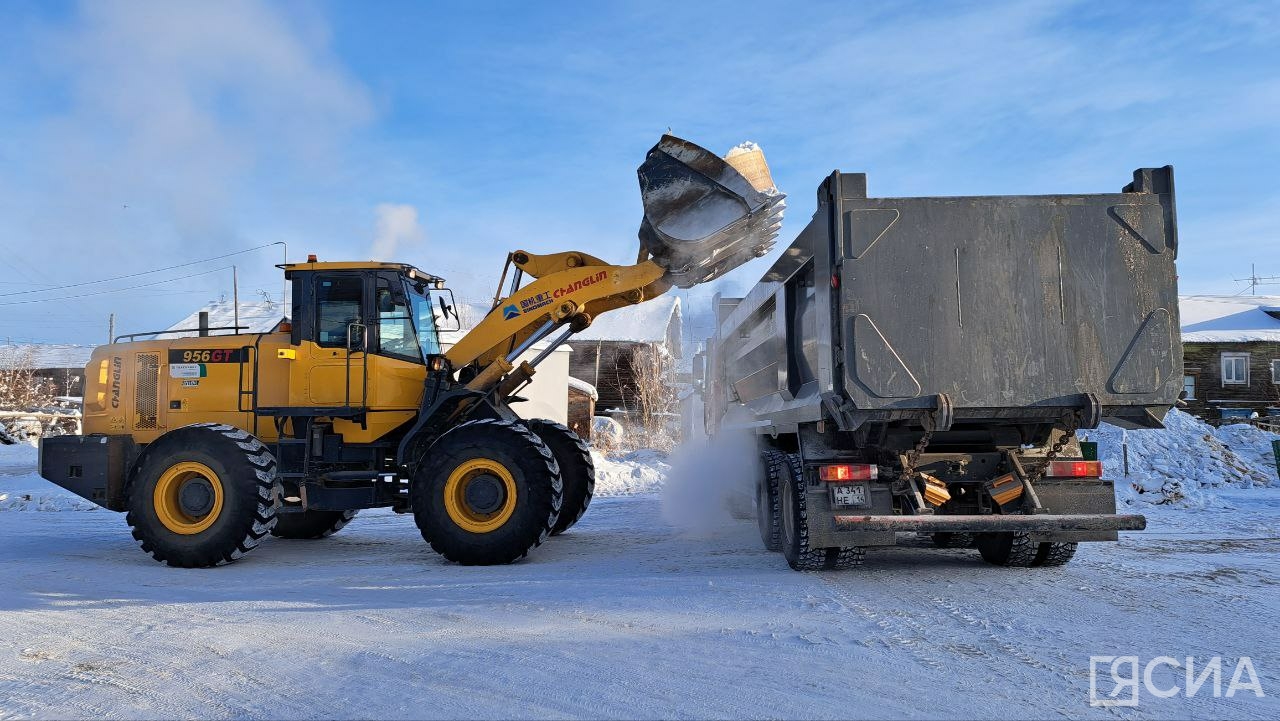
x=311, y=524
x=577, y=470
x=486, y=493
x=767, y=499
x=202, y=496
x=1008, y=549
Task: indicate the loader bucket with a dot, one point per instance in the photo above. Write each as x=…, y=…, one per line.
x=702, y=217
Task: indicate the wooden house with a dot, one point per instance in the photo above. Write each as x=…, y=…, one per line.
x=604, y=354
x=1231, y=355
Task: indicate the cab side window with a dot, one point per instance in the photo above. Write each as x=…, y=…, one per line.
x=395, y=324
x=337, y=306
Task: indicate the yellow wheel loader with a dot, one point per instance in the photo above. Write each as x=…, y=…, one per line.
x=212, y=442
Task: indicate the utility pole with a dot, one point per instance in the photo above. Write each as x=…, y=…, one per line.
x=284, y=292
x=235, y=299
x=111, y=328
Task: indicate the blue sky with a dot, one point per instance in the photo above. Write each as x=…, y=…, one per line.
x=450, y=134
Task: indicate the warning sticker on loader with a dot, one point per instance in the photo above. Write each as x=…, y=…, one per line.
x=187, y=370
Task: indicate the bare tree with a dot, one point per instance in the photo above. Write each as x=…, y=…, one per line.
x=20, y=388
x=653, y=371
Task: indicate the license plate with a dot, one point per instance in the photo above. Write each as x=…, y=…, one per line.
x=849, y=495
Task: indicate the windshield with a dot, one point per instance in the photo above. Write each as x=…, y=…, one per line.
x=425, y=320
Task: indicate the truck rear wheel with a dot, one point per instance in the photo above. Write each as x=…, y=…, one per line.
x=202, y=496
x=794, y=516
x=1055, y=554
x=577, y=470
x=767, y=499
x=1008, y=549
x=486, y=493
x=311, y=524
x=948, y=539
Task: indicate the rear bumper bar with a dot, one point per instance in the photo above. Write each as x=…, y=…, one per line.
x=1045, y=523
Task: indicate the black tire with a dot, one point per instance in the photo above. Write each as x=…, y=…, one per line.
x=949, y=539
x=794, y=516
x=309, y=525
x=846, y=558
x=577, y=470
x=526, y=514
x=767, y=499
x=244, y=473
x=1008, y=549
x=1055, y=554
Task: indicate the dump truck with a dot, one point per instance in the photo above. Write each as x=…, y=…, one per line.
x=921, y=365
x=210, y=443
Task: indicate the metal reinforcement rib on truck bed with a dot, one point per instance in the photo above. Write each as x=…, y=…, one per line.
x=981, y=524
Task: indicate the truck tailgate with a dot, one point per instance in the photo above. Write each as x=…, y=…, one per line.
x=1011, y=301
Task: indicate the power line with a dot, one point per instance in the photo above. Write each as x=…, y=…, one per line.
x=117, y=290
x=135, y=275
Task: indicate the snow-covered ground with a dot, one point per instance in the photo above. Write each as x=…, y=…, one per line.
x=625, y=616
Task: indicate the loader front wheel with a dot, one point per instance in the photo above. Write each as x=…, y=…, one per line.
x=577, y=470
x=486, y=493
x=202, y=496
x=310, y=525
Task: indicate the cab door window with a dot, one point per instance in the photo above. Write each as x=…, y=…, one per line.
x=338, y=300
x=396, y=336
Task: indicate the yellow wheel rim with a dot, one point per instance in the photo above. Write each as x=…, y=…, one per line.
x=462, y=511
x=167, y=498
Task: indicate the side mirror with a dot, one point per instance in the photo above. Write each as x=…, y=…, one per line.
x=445, y=310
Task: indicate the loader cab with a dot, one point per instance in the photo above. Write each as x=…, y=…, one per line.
x=363, y=337
x=383, y=309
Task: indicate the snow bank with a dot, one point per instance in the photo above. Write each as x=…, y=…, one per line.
x=629, y=473
x=1183, y=464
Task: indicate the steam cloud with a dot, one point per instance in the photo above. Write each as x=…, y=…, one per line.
x=396, y=231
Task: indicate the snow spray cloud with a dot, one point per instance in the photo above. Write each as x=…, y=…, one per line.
x=395, y=231
x=711, y=481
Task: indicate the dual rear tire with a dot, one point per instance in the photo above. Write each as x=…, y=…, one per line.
x=791, y=519
x=1017, y=550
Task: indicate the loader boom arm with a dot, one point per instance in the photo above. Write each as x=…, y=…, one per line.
x=570, y=287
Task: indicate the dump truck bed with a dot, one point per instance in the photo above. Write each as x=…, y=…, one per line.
x=1000, y=307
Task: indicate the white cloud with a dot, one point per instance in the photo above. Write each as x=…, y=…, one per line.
x=164, y=132
x=396, y=231
x=180, y=102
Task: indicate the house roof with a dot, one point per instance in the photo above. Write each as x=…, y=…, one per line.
x=255, y=317
x=1229, y=318
x=648, y=322
x=45, y=355
x=584, y=387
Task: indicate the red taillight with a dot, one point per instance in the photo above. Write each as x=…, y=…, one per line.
x=848, y=472
x=1075, y=469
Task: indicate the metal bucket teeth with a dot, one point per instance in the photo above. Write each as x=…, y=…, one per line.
x=702, y=218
